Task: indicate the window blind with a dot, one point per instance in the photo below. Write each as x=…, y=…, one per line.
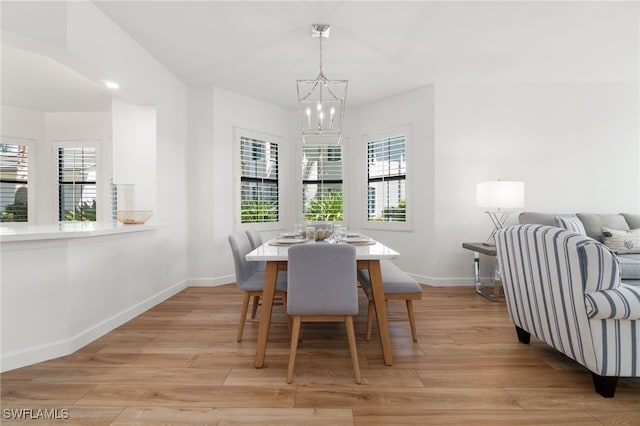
x=386, y=177
x=14, y=182
x=77, y=184
x=322, y=183
x=258, y=181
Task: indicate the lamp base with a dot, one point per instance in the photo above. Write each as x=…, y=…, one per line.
x=498, y=218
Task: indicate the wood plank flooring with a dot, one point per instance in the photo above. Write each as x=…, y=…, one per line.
x=179, y=363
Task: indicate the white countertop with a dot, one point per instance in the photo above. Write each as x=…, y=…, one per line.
x=20, y=232
x=363, y=252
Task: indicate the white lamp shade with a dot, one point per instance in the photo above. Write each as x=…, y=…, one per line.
x=500, y=195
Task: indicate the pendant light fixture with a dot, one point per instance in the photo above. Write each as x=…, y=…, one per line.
x=321, y=102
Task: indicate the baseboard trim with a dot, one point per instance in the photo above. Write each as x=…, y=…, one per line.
x=211, y=282
x=64, y=347
x=443, y=282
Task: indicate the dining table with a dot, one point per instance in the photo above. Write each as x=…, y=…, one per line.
x=368, y=255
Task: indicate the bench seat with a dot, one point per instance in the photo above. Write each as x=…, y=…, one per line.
x=398, y=285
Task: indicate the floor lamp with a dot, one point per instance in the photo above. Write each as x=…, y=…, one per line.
x=499, y=198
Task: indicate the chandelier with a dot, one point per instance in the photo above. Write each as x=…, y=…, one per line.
x=321, y=102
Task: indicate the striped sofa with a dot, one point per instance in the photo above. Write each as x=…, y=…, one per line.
x=565, y=289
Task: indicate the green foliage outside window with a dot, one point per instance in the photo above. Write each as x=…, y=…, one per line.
x=325, y=207
x=393, y=214
x=86, y=212
x=256, y=211
x=15, y=212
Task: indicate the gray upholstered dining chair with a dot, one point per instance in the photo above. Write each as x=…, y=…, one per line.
x=322, y=287
x=250, y=280
x=255, y=239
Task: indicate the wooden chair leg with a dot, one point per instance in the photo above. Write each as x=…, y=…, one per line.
x=254, y=308
x=243, y=315
x=412, y=321
x=286, y=314
x=294, y=347
x=351, y=335
x=370, y=310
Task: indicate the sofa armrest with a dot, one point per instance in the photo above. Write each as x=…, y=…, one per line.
x=622, y=303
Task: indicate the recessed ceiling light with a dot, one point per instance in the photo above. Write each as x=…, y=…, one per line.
x=111, y=84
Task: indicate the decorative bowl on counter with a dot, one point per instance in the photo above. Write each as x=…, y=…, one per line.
x=136, y=217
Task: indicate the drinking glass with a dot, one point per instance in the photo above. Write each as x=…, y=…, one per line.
x=311, y=234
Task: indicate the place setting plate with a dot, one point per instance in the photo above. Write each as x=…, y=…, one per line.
x=286, y=240
x=360, y=240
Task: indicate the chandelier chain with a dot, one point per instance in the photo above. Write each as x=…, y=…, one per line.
x=321, y=72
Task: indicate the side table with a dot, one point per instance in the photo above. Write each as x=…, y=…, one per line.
x=494, y=291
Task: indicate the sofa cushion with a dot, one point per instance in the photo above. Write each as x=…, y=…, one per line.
x=633, y=220
x=593, y=223
x=621, y=242
x=540, y=218
x=570, y=223
x=632, y=282
x=629, y=266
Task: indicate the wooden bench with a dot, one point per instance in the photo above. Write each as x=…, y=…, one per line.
x=398, y=285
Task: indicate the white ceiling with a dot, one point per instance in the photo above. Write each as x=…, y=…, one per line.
x=382, y=48
x=261, y=48
x=39, y=83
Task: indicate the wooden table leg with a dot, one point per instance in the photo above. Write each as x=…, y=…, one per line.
x=375, y=275
x=270, y=278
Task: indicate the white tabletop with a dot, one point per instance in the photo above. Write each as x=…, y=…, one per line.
x=363, y=252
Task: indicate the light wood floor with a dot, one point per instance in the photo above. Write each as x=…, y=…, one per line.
x=179, y=363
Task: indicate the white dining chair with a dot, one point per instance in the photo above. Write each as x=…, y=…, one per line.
x=322, y=287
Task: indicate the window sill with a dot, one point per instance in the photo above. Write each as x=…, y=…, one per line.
x=14, y=233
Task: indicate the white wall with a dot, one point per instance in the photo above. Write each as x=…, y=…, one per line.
x=134, y=153
x=575, y=145
x=213, y=116
x=102, y=281
x=413, y=108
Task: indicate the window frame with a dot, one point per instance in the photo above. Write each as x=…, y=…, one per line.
x=31, y=177
x=239, y=134
x=407, y=225
x=103, y=203
x=330, y=156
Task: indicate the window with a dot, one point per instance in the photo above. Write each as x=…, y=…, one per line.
x=322, y=183
x=387, y=178
x=77, y=183
x=14, y=182
x=259, y=185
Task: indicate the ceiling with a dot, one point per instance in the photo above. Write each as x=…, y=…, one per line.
x=383, y=48
x=39, y=83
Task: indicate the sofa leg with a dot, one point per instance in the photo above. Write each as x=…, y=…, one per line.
x=523, y=336
x=605, y=385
